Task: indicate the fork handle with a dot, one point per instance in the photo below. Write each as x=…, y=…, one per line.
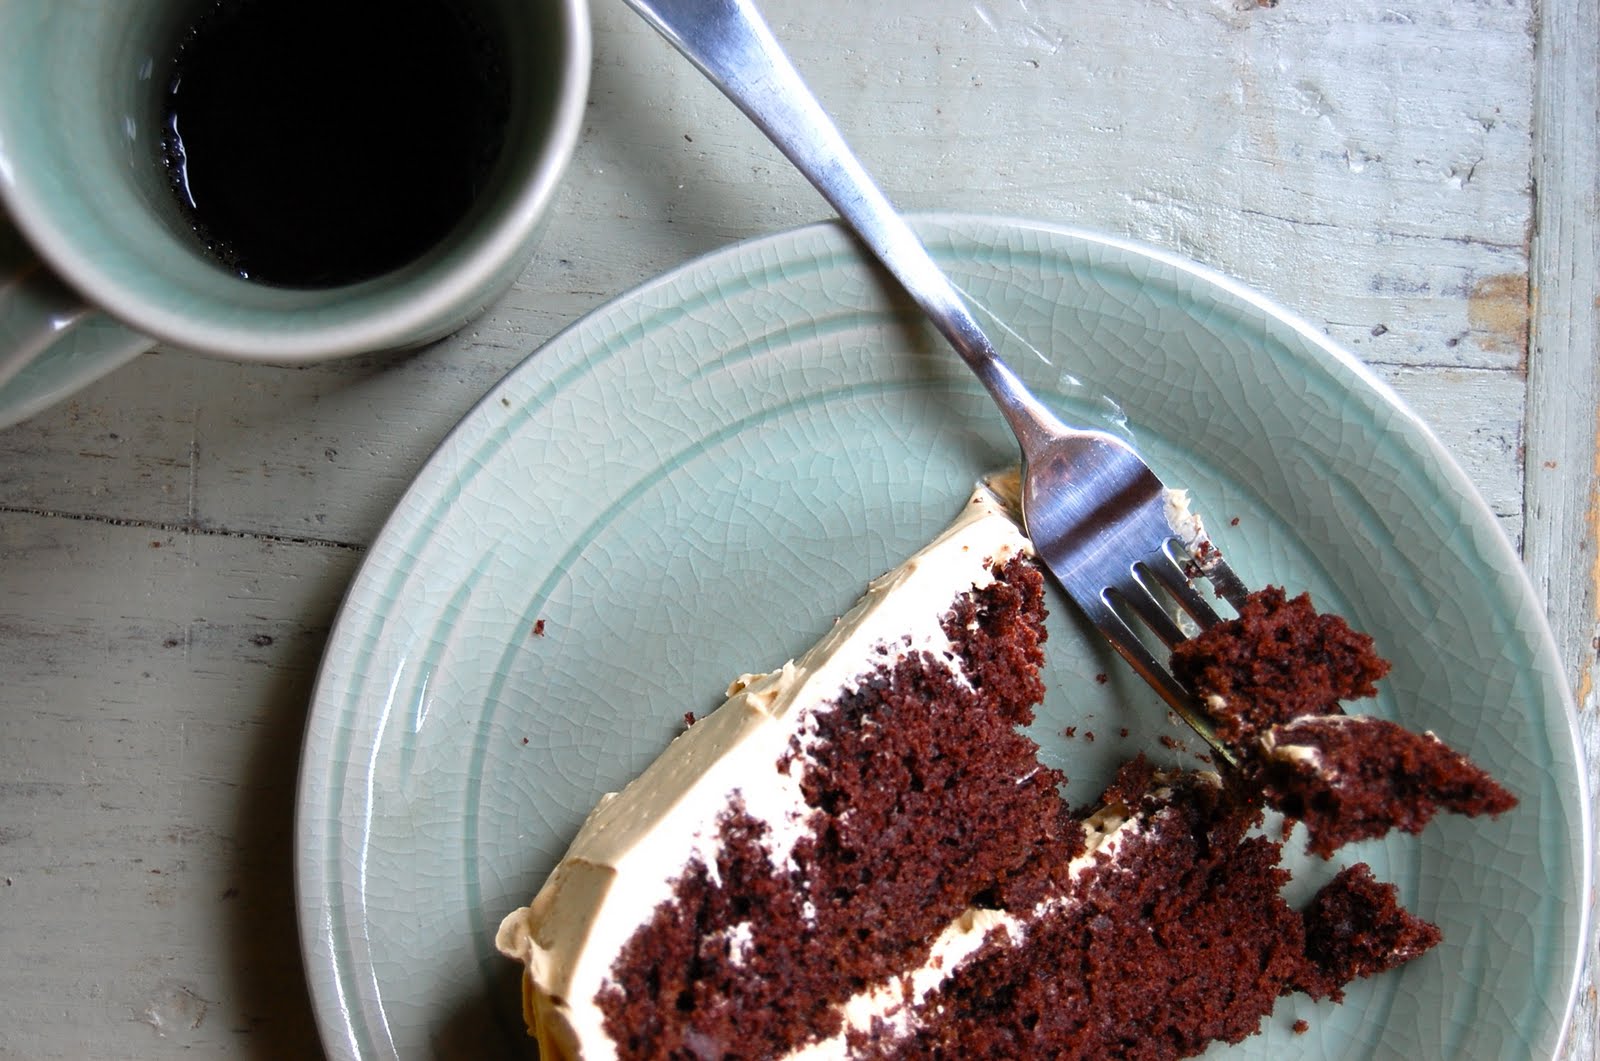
x=733, y=46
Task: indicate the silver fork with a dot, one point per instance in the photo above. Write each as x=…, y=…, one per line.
x=1102, y=522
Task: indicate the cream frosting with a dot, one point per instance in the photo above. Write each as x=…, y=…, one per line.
x=635, y=844
x=1278, y=742
x=1305, y=756
x=1189, y=529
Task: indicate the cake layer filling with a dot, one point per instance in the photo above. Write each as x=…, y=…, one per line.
x=899, y=1009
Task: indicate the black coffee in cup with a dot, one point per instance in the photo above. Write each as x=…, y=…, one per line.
x=315, y=143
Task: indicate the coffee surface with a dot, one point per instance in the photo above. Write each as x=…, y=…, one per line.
x=315, y=143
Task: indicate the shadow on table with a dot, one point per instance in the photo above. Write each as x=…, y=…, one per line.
x=487, y=1026
x=269, y=981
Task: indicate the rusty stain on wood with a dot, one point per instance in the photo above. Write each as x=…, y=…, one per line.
x=1583, y=691
x=1498, y=308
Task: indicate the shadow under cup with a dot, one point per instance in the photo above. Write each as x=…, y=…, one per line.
x=82, y=95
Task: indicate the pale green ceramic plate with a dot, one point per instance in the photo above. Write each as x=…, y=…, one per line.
x=694, y=480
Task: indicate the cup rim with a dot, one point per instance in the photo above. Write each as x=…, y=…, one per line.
x=427, y=310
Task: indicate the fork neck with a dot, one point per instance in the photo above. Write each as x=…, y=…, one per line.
x=733, y=46
x=1031, y=421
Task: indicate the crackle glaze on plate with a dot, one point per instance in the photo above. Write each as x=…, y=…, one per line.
x=692, y=481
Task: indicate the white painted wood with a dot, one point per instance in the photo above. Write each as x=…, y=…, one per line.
x=155, y=688
x=1563, y=417
x=1370, y=164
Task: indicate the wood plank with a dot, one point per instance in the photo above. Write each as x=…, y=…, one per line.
x=156, y=688
x=1563, y=429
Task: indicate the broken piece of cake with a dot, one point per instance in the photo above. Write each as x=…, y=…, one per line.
x=1273, y=681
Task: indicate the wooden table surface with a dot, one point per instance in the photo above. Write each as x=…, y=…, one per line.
x=1418, y=177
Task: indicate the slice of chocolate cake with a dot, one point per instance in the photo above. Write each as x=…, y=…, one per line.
x=860, y=855
x=816, y=832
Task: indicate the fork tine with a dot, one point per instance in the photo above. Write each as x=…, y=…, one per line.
x=1167, y=572
x=1132, y=592
x=1128, y=645
x=1226, y=583
x=1191, y=548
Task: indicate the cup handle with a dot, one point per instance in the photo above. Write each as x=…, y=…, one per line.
x=40, y=315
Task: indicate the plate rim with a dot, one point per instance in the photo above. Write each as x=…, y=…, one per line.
x=332, y=1013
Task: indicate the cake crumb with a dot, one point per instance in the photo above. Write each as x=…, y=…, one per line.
x=688, y=719
x=1102, y=677
x=1070, y=732
x=538, y=628
x=1300, y=1027
x=1088, y=735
